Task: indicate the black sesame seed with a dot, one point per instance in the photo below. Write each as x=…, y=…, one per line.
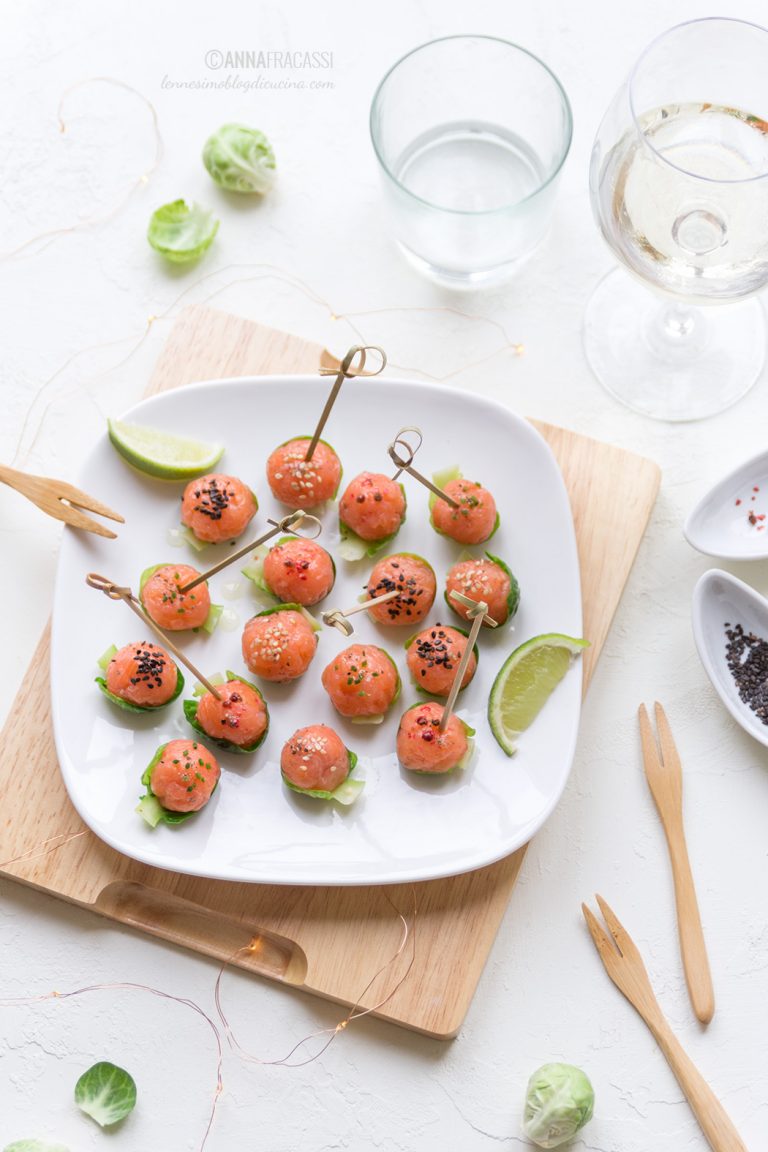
x=747, y=660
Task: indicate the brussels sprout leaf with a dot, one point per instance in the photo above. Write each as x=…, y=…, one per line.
x=106, y=1093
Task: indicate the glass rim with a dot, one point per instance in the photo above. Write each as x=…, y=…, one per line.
x=631, y=92
x=568, y=135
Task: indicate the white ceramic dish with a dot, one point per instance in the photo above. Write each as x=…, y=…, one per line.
x=726, y=521
x=720, y=598
x=403, y=828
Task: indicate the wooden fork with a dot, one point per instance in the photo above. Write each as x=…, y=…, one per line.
x=665, y=779
x=624, y=965
x=61, y=500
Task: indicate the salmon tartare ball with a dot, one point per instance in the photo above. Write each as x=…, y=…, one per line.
x=362, y=681
x=422, y=747
x=143, y=675
x=433, y=657
x=486, y=579
x=414, y=581
x=299, y=571
x=239, y=720
x=301, y=483
x=170, y=608
x=279, y=644
x=315, y=760
x=183, y=776
x=217, y=508
x=372, y=506
x=471, y=523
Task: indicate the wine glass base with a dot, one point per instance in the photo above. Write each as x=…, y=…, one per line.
x=685, y=375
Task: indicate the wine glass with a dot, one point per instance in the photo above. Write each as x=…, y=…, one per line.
x=679, y=189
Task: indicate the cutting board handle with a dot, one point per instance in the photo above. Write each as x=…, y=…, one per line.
x=193, y=926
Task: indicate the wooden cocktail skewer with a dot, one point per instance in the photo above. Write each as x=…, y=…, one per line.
x=406, y=465
x=401, y=440
x=287, y=524
x=477, y=612
x=115, y=592
x=344, y=371
x=468, y=602
x=336, y=618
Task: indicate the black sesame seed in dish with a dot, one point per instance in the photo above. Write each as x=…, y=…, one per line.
x=746, y=655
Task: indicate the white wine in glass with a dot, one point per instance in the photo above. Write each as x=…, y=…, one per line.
x=679, y=184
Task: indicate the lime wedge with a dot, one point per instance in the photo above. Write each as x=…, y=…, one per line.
x=162, y=454
x=525, y=683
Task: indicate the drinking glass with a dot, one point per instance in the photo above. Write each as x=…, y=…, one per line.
x=679, y=189
x=471, y=133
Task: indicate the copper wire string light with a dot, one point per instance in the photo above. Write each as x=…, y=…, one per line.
x=269, y=273
x=328, y=1035
x=110, y=213
x=408, y=934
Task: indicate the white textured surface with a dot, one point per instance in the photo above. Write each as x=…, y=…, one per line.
x=74, y=311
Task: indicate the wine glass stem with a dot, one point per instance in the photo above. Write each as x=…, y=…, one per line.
x=677, y=330
x=679, y=322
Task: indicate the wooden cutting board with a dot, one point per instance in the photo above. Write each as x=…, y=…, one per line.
x=329, y=941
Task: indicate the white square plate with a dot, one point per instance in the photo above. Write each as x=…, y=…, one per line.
x=403, y=827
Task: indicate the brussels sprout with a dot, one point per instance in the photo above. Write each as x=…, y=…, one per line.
x=181, y=232
x=558, y=1103
x=240, y=159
